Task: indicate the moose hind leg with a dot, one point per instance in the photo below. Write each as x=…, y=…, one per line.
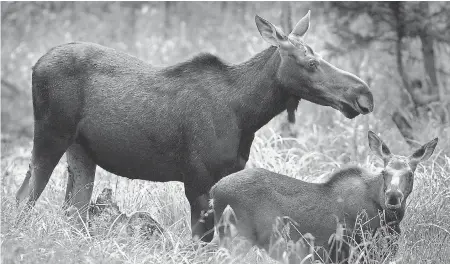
x=48, y=149
x=24, y=188
x=80, y=182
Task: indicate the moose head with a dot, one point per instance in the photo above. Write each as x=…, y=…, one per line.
x=305, y=74
x=398, y=172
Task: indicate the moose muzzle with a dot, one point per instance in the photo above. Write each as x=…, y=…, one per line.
x=364, y=103
x=394, y=199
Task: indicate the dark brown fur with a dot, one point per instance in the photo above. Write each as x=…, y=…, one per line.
x=193, y=122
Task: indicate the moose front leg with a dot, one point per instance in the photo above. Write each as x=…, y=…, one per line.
x=393, y=230
x=202, y=221
x=393, y=219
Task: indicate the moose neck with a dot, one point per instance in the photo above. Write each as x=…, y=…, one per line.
x=258, y=95
x=375, y=188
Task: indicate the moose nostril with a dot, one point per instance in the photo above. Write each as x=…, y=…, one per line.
x=365, y=103
x=393, y=200
x=364, y=109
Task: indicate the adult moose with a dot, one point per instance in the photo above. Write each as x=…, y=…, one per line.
x=259, y=196
x=193, y=122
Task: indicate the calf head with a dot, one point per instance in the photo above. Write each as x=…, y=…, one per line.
x=398, y=172
x=303, y=73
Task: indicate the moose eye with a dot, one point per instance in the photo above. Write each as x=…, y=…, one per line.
x=313, y=64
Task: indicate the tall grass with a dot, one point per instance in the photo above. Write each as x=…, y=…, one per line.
x=316, y=151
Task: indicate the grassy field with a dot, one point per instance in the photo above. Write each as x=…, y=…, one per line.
x=50, y=238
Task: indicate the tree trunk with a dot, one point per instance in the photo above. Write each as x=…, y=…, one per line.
x=74, y=12
x=405, y=128
x=223, y=6
x=242, y=10
x=286, y=17
x=225, y=11
x=396, y=8
x=11, y=88
x=428, y=50
x=429, y=61
x=399, y=119
x=132, y=30
x=167, y=23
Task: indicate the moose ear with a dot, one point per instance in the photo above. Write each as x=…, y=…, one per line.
x=379, y=148
x=269, y=32
x=302, y=26
x=423, y=153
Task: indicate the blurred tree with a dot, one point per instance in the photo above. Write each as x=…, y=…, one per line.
x=394, y=25
x=131, y=11
x=10, y=89
x=286, y=17
x=242, y=10
x=167, y=15
x=223, y=6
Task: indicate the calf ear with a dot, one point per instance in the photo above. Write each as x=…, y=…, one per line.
x=379, y=148
x=423, y=153
x=269, y=32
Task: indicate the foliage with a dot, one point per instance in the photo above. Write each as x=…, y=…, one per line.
x=415, y=37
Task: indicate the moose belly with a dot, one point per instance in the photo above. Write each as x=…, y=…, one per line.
x=129, y=152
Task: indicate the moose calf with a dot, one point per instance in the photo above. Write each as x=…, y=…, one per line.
x=258, y=197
